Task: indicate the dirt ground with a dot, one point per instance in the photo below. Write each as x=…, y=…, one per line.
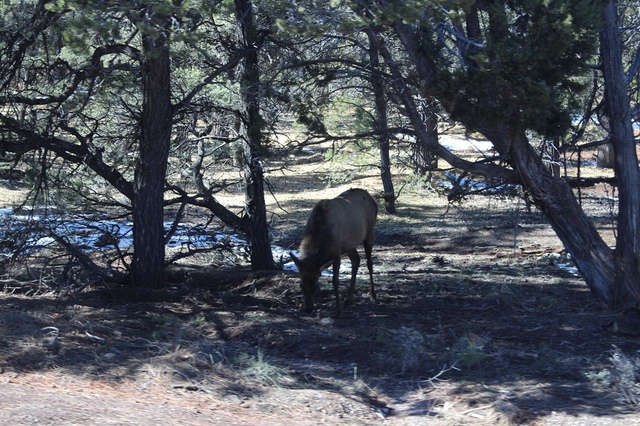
x=478, y=321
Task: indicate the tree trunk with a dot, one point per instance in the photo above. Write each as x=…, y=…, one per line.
x=148, y=212
x=552, y=196
x=251, y=131
x=377, y=85
x=627, y=278
x=424, y=160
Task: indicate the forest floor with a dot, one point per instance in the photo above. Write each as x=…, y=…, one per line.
x=479, y=320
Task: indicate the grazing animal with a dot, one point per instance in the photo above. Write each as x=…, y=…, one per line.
x=336, y=227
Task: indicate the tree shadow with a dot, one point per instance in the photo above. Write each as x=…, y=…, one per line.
x=516, y=329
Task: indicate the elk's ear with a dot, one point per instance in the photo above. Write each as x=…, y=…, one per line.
x=294, y=258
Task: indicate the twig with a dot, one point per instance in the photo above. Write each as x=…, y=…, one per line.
x=96, y=338
x=477, y=409
x=442, y=371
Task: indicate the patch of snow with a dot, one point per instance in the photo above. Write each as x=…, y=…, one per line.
x=473, y=185
x=460, y=143
x=561, y=261
x=89, y=234
x=345, y=266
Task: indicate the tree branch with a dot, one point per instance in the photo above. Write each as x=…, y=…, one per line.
x=79, y=154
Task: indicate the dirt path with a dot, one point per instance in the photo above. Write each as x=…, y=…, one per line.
x=45, y=400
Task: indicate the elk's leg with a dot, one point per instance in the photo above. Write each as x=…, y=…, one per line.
x=336, y=285
x=368, y=247
x=355, y=264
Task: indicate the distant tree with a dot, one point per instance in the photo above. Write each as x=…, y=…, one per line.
x=337, y=69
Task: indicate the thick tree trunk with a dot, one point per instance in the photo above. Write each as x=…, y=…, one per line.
x=554, y=197
x=251, y=130
x=377, y=85
x=627, y=278
x=148, y=212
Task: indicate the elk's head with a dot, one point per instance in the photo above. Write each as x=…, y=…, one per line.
x=309, y=284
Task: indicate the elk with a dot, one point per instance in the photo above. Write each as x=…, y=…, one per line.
x=336, y=227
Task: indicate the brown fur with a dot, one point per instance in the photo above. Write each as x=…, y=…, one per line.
x=336, y=227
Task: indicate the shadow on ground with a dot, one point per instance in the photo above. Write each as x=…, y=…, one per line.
x=454, y=324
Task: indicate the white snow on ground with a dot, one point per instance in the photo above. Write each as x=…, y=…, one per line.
x=562, y=261
x=87, y=233
x=460, y=143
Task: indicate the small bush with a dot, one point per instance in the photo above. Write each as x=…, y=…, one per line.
x=259, y=368
x=621, y=377
x=470, y=350
x=404, y=352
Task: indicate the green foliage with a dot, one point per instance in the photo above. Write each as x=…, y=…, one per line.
x=308, y=117
x=351, y=159
x=529, y=67
x=400, y=10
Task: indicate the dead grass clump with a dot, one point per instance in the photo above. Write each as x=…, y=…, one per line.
x=260, y=368
x=404, y=352
x=621, y=376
